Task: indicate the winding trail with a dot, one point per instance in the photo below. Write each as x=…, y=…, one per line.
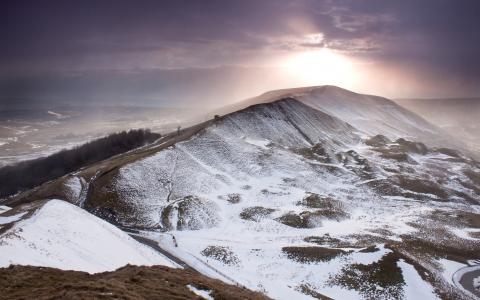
x=153, y=244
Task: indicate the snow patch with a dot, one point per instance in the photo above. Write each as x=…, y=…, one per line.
x=4, y=208
x=464, y=232
x=415, y=287
x=76, y=190
x=259, y=143
x=205, y=294
x=10, y=219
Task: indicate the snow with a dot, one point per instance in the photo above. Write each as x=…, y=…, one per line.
x=252, y=154
x=476, y=282
x=370, y=114
x=4, y=208
x=259, y=143
x=76, y=190
x=61, y=235
x=201, y=293
x=449, y=267
x=464, y=232
x=10, y=219
x=74, y=185
x=415, y=286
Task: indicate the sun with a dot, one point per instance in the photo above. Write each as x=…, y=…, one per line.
x=321, y=66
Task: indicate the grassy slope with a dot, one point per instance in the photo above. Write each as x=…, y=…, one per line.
x=129, y=282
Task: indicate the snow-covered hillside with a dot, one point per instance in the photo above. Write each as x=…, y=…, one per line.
x=291, y=201
x=299, y=202
x=252, y=145
x=369, y=114
x=61, y=235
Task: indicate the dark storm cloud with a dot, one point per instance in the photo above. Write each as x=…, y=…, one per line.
x=432, y=36
x=440, y=34
x=38, y=30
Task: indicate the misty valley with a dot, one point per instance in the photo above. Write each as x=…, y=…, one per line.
x=31, y=133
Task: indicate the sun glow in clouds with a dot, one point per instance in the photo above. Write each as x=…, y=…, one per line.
x=321, y=66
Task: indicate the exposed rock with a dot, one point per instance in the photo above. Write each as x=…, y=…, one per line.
x=316, y=152
x=413, y=147
x=377, y=141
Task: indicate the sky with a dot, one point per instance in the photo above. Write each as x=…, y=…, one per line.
x=210, y=53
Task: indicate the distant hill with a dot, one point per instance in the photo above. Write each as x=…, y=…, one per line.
x=369, y=114
x=458, y=116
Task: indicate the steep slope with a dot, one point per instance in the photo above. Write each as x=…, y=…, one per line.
x=255, y=142
x=370, y=114
x=60, y=235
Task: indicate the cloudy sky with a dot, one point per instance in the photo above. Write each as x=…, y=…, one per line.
x=214, y=52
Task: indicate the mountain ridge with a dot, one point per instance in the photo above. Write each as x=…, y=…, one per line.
x=350, y=108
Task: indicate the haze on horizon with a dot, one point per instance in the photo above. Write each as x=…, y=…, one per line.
x=211, y=53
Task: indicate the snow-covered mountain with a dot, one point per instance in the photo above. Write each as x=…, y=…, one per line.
x=317, y=192
x=369, y=114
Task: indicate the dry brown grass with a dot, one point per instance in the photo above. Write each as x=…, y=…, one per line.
x=312, y=254
x=382, y=279
x=129, y=282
